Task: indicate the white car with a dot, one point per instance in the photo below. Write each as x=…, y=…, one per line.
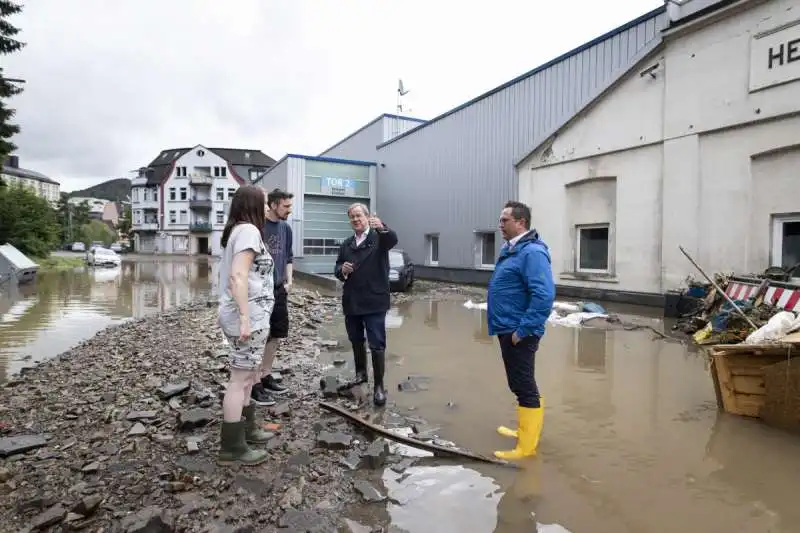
x=78, y=247
x=103, y=257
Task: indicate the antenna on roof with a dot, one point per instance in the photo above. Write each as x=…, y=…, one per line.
x=401, y=91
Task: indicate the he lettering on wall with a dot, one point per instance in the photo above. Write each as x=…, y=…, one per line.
x=785, y=53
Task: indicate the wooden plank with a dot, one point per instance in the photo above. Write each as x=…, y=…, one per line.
x=749, y=384
x=749, y=404
x=792, y=338
x=715, y=380
x=726, y=384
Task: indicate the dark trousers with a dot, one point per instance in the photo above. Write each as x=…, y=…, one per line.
x=520, y=365
x=375, y=326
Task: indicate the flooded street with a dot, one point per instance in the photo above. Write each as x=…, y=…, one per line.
x=632, y=442
x=66, y=307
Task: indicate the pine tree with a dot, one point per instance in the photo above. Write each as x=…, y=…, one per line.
x=8, y=88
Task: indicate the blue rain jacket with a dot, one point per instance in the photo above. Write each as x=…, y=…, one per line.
x=521, y=291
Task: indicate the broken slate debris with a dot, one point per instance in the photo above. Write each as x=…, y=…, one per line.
x=367, y=491
x=173, y=389
x=90, y=475
x=21, y=444
x=334, y=441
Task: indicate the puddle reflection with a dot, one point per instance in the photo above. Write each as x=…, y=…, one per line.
x=64, y=307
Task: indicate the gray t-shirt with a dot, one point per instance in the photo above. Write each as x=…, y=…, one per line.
x=260, y=293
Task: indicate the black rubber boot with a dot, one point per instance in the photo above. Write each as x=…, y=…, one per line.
x=360, y=359
x=378, y=370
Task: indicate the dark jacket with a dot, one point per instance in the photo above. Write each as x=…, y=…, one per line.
x=521, y=291
x=366, y=289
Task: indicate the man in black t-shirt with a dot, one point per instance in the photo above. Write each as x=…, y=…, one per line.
x=277, y=236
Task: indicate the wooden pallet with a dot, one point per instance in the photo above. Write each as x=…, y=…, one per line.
x=738, y=373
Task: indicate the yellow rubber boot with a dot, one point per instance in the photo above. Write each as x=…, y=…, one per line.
x=512, y=433
x=530, y=429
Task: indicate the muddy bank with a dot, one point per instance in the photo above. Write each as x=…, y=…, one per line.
x=120, y=433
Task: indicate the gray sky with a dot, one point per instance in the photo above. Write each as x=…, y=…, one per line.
x=111, y=83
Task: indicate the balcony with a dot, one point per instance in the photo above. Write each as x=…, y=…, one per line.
x=146, y=226
x=200, y=203
x=200, y=179
x=200, y=227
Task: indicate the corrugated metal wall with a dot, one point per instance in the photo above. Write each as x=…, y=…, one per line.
x=452, y=176
x=361, y=145
x=275, y=177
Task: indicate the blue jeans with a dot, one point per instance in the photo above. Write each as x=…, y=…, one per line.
x=375, y=326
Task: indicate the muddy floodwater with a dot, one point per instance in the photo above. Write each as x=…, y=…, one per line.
x=632, y=441
x=65, y=307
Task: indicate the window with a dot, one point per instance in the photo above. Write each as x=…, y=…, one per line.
x=254, y=174
x=433, y=249
x=220, y=217
x=220, y=172
x=231, y=192
x=592, y=248
x=180, y=172
x=172, y=219
x=172, y=194
x=486, y=249
x=155, y=195
x=183, y=193
x=321, y=246
x=786, y=241
x=137, y=215
x=134, y=194
x=184, y=217
x=220, y=193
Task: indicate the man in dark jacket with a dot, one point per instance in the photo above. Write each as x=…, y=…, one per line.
x=363, y=266
x=520, y=298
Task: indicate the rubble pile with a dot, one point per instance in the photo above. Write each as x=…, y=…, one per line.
x=713, y=320
x=121, y=432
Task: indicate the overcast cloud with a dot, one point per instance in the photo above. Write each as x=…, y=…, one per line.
x=111, y=83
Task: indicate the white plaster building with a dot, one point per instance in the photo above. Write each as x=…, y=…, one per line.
x=12, y=174
x=180, y=201
x=697, y=145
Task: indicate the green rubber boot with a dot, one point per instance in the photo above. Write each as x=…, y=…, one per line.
x=234, y=448
x=252, y=433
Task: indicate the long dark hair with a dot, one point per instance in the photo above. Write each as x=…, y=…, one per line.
x=247, y=207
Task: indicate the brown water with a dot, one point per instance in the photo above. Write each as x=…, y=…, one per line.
x=633, y=442
x=63, y=308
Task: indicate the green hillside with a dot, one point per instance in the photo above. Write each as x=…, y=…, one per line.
x=116, y=190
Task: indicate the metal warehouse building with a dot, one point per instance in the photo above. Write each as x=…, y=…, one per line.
x=442, y=184
x=325, y=185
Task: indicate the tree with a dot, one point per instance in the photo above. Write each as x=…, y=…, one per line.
x=97, y=231
x=71, y=219
x=8, y=88
x=27, y=221
x=124, y=223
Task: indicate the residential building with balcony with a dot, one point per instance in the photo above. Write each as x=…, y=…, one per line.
x=12, y=174
x=180, y=201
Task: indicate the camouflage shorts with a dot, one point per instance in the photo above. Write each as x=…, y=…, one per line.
x=247, y=355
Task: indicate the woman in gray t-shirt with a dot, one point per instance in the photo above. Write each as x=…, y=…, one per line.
x=245, y=306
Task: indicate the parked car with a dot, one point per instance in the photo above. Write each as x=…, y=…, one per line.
x=117, y=247
x=401, y=271
x=78, y=247
x=99, y=256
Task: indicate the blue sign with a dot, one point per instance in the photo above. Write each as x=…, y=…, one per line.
x=340, y=183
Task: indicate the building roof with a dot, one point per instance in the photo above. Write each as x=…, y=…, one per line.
x=370, y=123
x=30, y=174
x=644, y=55
x=559, y=59
x=160, y=167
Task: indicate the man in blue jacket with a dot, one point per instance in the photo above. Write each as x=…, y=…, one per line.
x=521, y=294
